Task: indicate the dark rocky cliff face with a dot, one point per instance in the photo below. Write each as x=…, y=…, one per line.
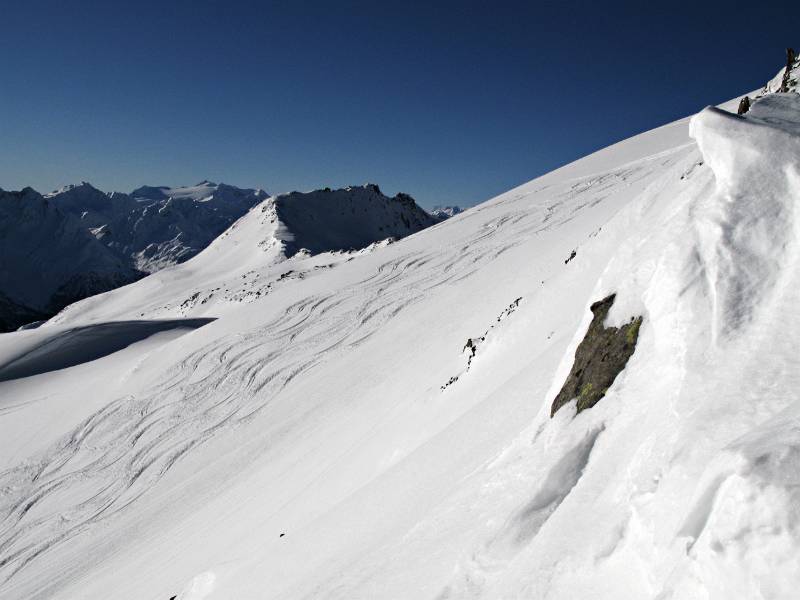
x=600, y=357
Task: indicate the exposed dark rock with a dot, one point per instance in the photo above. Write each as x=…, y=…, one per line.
x=744, y=105
x=471, y=347
x=600, y=357
x=787, y=79
x=572, y=255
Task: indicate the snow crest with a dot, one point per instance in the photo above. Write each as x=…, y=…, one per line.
x=749, y=226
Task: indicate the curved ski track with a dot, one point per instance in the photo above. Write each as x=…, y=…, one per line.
x=122, y=450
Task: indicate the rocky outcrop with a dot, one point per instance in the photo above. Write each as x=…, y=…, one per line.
x=787, y=81
x=600, y=357
x=744, y=105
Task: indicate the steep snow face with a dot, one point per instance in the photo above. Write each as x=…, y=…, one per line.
x=156, y=227
x=48, y=260
x=335, y=437
x=345, y=219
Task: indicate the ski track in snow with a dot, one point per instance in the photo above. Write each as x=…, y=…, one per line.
x=120, y=452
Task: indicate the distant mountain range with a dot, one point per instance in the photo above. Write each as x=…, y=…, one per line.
x=445, y=212
x=48, y=259
x=79, y=241
x=156, y=227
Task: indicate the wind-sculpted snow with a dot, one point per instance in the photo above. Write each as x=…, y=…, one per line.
x=750, y=224
x=694, y=473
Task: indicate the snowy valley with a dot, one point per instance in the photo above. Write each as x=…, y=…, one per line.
x=342, y=396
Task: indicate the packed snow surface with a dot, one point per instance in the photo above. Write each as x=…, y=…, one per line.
x=333, y=437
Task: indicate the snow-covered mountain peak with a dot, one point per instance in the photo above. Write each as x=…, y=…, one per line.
x=446, y=212
x=90, y=205
x=345, y=219
x=83, y=185
x=149, y=192
x=82, y=192
x=204, y=191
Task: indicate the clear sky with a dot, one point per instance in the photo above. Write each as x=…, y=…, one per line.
x=452, y=102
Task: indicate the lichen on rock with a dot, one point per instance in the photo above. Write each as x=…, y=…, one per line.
x=600, y=357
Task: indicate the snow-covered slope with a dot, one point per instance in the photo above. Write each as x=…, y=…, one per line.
x=156, y=227
x=48, y=260
x=334, y=437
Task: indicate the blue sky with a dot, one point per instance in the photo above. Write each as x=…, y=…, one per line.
x=452, y=102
